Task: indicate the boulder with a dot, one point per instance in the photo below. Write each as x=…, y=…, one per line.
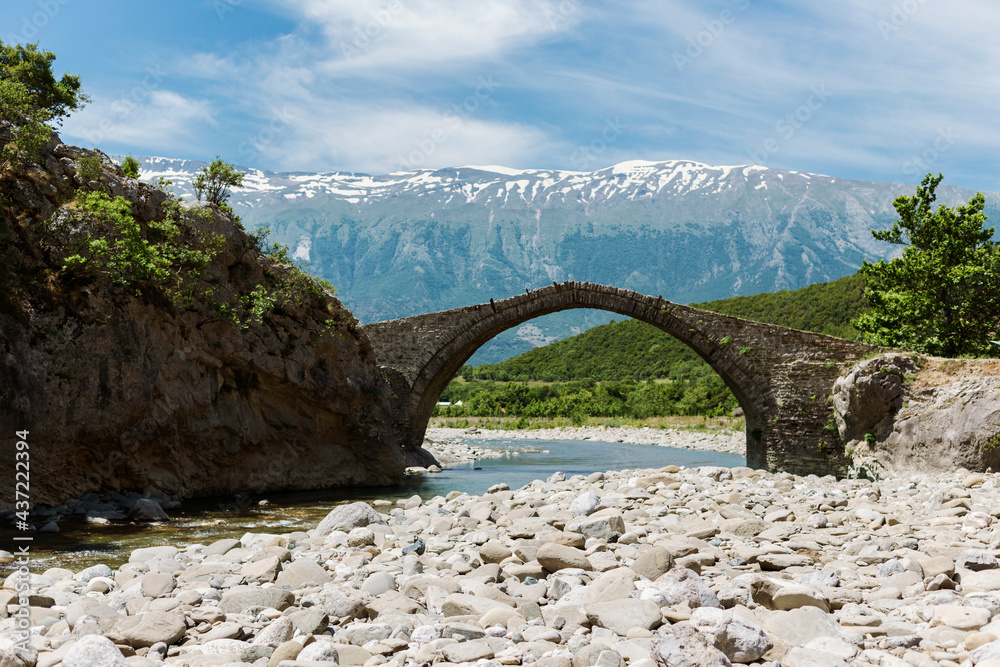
x=807, y=657
x=94, y=651
x=608, y=527
x=868, y=397
x=741, y=640
x=613, y=585
x=681, y=585
x=682, y=646
x=494, y=552
x=311, y=621
x=147, y=509
x=620, y=616
x=302, y=573
x=554, y=557
x=462, y=604
x=237, y=600
x=276, y=633
x=151, y=627
x=653, y=563
x=341, y=602
x=319, y=651
x=264, y=570
x=157, y=584
x=800, y=626
x=584, y=504
x=466, y=652
x=348, y=517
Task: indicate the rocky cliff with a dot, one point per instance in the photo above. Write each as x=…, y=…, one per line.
x=257, y=381
x=900, y=414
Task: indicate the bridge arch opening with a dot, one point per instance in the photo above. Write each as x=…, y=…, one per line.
x=456, y=345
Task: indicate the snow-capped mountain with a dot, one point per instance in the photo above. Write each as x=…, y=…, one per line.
x=490, y=186
x=410, y=242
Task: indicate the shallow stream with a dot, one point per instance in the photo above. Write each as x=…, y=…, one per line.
x=79, y=544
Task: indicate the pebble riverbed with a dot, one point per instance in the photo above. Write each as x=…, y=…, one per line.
x=638, y=568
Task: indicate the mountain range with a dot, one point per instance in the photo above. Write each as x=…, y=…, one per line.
x=411, y=242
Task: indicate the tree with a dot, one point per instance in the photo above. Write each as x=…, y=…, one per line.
x=215, y=180
x=942, y=296
x=130, y=166
x=31, y=99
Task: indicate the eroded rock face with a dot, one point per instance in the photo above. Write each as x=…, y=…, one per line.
x=866, y=399
x=944, y=414
x=121, y=391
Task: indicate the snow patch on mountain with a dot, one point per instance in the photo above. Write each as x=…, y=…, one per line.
x=302, y=249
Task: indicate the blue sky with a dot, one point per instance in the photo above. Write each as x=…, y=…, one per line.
x=877, y=89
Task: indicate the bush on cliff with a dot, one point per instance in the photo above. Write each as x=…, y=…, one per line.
x=130, y=167
x=942, y=296
x=215, y=180
x=169, y=257
x=31, y=99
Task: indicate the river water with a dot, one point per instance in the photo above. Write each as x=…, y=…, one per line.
x=203, y=521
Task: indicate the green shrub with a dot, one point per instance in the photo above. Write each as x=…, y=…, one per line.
x=258, y=303
x=991, y=443
x=89, y=168
x=215, y=180
x=130, y=166
x=32, y=99
x=167, y=258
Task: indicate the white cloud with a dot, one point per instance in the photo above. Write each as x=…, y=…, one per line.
x=159, y=119
x=379, y=139
x=372, y=94
x=411, y=35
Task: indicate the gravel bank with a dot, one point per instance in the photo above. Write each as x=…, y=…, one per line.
x=728, y=442
x=705, y=566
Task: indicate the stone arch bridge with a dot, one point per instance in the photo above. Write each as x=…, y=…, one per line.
x=781, y=377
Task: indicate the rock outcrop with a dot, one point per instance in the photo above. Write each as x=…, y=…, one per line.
x=123, y=390
x=901, y=413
